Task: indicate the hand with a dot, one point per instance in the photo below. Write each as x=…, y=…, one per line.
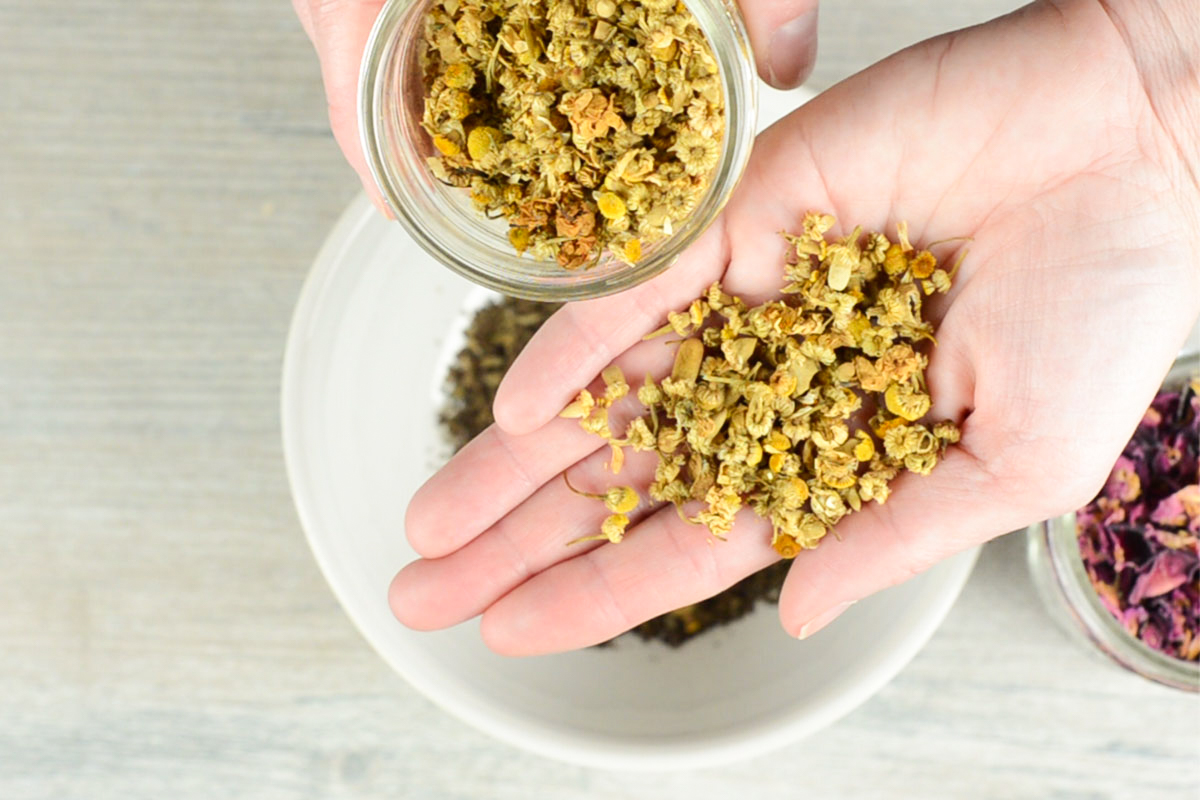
x=783, y=33
x=1035, y=136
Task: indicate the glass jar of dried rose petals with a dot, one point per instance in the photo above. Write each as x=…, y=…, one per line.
x=1122, y=574
x=557, y=149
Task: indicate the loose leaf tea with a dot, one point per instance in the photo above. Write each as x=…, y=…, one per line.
x=762, y=406
x=494, y=337
x=586, y=124
x=1140, y=537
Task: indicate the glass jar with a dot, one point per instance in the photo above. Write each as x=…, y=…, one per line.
x=1058, y=572
x=445, y=223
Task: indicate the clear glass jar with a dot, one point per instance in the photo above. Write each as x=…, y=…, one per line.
x=442, y=219
x=1056, y=566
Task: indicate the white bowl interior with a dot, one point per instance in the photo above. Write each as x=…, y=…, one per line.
x=375, y=327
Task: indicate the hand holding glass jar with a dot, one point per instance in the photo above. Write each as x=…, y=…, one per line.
x=1078, y=191
x=783, y=33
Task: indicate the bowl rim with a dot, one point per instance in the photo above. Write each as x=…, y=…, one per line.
x=583, y=749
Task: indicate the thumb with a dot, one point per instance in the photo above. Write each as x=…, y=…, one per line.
x=339, y=30
x=784, y=36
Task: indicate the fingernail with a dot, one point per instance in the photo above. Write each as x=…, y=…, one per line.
x=381, y=206
x=791, y=50
x=821, y=620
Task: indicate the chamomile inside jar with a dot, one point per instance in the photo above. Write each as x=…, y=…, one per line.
x=557, y=149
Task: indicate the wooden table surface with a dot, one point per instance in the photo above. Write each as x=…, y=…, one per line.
x=166, y=177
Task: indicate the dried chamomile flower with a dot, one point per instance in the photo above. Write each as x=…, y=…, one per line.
x=615, y=386
x=922, y=264
x=761, y=408
x=519, y=239
x=618, y=499
x=631, y=251
x=699, y=153
x=612, y=530
x=581, y=407
x=588, y=125
x=459, y=76
x=611, y=205
x=446, y=145
x=947, y=432
x=482, y=142
x=905, y=401
x=864, y=449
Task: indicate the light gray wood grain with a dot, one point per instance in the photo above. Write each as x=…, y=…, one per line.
x=166, y=176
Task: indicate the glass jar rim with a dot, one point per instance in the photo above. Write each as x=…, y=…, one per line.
x=499, y=267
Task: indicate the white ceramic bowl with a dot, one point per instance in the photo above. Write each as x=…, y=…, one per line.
x=375, y=327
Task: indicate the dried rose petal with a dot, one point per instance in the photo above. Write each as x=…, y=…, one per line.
x=1178, y=509
x=1124, y=483
x=1168, y=571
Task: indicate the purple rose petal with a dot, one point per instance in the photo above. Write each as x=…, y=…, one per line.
x=1167, y=572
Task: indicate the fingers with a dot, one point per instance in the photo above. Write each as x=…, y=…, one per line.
x=783, y=32
x=304, y=13
x=533, y=537
x=583, y=338
x=784, y=36
x=339, y=30
x=493, y=474
x=498, y=471
x=664, y=563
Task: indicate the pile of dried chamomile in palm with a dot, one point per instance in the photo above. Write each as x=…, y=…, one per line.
x=802, y=408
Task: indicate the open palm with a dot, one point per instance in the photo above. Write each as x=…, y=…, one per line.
x=1031, y=135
